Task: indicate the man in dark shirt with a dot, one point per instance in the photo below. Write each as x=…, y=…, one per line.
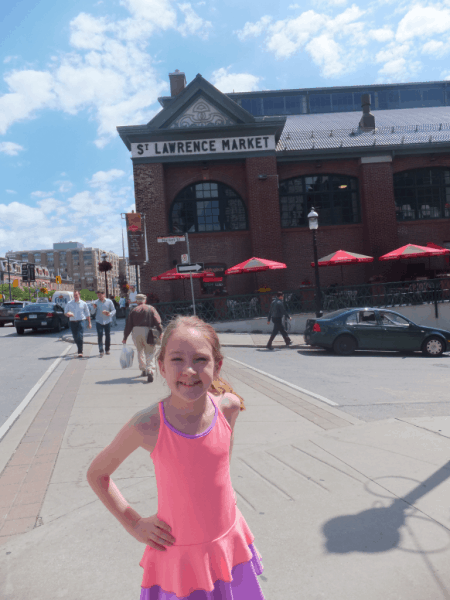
x=276, y=313
x=140, y=322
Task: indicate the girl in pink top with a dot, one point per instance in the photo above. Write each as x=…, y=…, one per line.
x=198, y=545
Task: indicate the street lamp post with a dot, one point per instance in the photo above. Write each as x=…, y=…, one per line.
x=313, y=219
x=105, y=256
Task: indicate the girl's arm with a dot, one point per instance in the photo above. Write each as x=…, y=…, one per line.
x=99, y=475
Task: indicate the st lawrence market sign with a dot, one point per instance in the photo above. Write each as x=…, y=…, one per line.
x=211, y=146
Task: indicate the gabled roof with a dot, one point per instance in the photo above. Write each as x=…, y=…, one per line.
x=197, y=89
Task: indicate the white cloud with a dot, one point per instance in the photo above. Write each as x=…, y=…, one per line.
x=10, y=148
x=398, y=69
x=39, y=194
x=331, y=2
x=109, y=72
x=326, y=53
x=381, y=35
x=11, y=191
x=436, y=48
x=239, y=82
x=101, y=178
x=286, y=37
x=64, y=186
x=423, y=21
x=19, y=103
x=193, y=23
x=50, y=205
x=253, y=29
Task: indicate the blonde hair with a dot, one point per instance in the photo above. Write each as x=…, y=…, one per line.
x=219, y=386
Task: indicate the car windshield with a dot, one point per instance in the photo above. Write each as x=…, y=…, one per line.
x=37, y=308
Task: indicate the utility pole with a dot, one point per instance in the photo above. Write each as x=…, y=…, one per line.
x=9, y=279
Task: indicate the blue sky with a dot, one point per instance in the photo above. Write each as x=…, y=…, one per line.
x=73, y=71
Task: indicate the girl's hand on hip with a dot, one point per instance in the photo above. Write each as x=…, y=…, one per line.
x=154, y=532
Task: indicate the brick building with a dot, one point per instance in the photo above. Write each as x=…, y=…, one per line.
x=77, y=266
x=376, y=168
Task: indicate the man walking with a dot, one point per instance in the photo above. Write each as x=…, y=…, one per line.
x=116, y=306
x=104, y=314
x=140, y=321
x=131, y=300
x=78, y=312
x=276, y=313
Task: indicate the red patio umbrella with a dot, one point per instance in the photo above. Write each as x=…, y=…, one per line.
x=342, y=257
x=436, y=247
x=413, y=251
x=252, y=265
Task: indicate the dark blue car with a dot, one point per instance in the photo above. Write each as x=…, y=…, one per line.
x=347, y=330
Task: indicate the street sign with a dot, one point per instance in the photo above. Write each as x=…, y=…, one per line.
x=184, y=259
x=171, y=239
x=196, y=268
x=136, y=239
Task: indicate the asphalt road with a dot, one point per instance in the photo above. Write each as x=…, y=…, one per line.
x=368, y=385
x=25, y=358
x=23, y=361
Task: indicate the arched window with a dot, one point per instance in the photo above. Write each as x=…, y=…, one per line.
x=335, y=197
x=205, y=207
x=422, y=194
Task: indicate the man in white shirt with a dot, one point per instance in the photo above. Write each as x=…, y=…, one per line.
x=78, y=312
x=105, y=312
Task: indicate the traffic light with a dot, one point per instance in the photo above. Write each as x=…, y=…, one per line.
x=31, y=272
x=25, y=272
x=58, y=279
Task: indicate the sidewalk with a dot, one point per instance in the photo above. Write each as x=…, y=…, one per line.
x=340, y=509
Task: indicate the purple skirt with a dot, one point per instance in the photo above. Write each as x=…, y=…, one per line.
x=243, y=586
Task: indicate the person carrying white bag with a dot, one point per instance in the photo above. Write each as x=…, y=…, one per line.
x=141, y=322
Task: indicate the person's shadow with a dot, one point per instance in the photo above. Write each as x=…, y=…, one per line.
x=378, y=529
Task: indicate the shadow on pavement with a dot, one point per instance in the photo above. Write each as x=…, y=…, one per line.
x=378, y=529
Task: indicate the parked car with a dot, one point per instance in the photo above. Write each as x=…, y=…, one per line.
x=41, y=316
x=347, y=330
x=9, y=309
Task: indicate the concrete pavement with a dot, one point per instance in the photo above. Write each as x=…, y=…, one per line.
x=340, y=509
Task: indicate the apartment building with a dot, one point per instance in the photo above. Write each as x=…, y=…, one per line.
x=71, y=260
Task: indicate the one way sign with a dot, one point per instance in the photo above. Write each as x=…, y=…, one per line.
x=192, y=268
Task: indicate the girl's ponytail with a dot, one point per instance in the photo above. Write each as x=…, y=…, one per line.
x=220, y=386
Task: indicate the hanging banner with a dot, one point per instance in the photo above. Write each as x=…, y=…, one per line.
x=136, y=239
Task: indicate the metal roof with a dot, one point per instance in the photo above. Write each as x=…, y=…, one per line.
x=394, y=127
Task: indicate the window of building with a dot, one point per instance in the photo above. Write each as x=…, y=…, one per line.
x=335, y=198
x=422, y=194
x=206, y=207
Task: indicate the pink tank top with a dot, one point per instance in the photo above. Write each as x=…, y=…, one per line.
x=196, y=498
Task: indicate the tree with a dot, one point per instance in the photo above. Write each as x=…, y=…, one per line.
x=87, y=295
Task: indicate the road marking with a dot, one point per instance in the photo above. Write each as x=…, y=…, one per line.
x=7, y=425
x=295, y=387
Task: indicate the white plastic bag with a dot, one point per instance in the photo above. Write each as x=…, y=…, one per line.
x=126, y=357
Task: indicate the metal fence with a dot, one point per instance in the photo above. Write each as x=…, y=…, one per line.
x=302, y=300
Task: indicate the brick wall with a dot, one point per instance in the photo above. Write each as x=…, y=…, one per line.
x=156, y=186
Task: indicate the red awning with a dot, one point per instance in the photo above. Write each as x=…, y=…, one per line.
x=253, y=265
x=173, y=274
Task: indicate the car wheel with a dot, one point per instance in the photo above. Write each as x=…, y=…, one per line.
x=57, y=327
x=433, y=346
x=20, y=330
x=1, y=324
x=344, y=345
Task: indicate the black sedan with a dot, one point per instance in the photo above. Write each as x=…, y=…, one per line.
x=41, y=316
x=347, y=330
